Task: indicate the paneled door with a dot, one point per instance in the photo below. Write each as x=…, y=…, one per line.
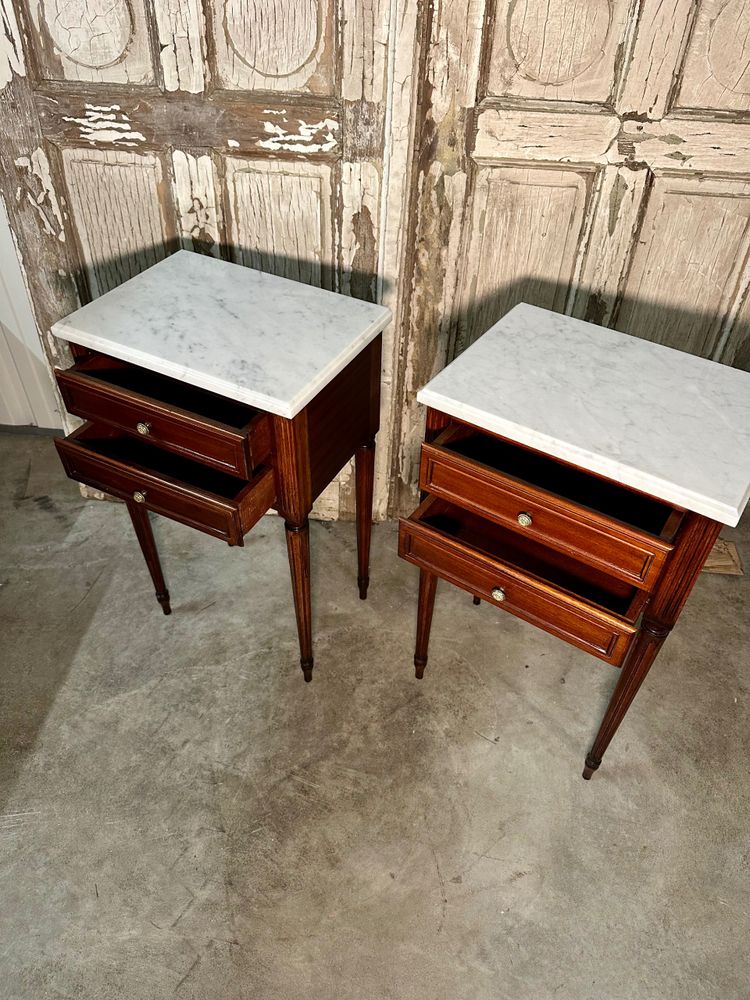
x=254, y=131
x=588, y=156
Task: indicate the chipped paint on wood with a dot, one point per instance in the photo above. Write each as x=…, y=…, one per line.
x=360, y=185
x=616, y=214
x=276, y=45
x=179, y=119
x=545, y=135
x=300, y=137
x=451, y=53
x=199, y=216
x=98, y=41
x=108, y=124
x=709, y=146
x=11, y=51
x=35, y=186
x=180, y=26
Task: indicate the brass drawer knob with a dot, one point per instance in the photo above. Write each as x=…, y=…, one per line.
x=143, y=427
x=139, y=496
x=498, y=594
x=525, y=519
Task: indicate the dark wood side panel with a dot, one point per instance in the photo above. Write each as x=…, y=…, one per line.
x=338, y=422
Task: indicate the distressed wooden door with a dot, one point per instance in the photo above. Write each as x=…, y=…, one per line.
x=250, y=130
x=588, y=156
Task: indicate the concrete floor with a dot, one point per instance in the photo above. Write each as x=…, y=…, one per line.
x=180, y=815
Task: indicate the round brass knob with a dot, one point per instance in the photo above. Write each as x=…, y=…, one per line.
x=143, y=427
x=139, y=496
x=498, y=594
x=525, y=519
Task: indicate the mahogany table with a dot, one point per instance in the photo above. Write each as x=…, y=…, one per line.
x=213, y=393
x=578, y=478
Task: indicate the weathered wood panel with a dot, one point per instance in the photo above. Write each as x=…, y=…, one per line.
x=181, y=33
x=119, y=206
x=149, y=119
x=524, y=235
x=280, y=218
x=450, y=45
x=199, y=215
x=689, y=144
x=688, y=263
x=92, y=40
x=716, y=72
x=281, y=45
x=549, y=136
x=566, y=50
x=660, y=35
x=616, y=214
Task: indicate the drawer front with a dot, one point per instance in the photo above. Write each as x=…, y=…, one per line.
x=591, y=629
x=592, y=538
x=234, y=451
x=225, y=519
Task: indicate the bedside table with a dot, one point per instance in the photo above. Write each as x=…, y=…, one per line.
x=578, y=478
x=214, y=393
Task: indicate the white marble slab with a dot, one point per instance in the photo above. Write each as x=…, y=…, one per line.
x=256, y=338
x=662, y=421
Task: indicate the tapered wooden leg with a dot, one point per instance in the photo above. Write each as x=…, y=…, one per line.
x=693, y=543
x=298, y=547
x=142, y=525
x=364, y=463
x=427, y=587
x=642, y=655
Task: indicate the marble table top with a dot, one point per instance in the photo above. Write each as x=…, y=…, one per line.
x=662, y=421
x=250, y=336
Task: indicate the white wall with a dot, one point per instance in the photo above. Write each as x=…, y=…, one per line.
x=26, y=390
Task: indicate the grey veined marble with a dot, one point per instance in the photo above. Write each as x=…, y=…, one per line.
x=263, y=340
x=660, y=420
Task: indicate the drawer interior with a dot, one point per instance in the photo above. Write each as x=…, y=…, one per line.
x=164, y=389
x=530, y=557
x=107, y=443
x=538, y=470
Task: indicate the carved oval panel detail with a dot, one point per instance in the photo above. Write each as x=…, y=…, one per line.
x=554, y=41
x=93, y=33
x=273, y=37
x=727, y=49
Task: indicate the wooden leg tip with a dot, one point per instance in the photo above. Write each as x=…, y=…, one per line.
x=590, y=766
x=307, y=669
x=419, y=666
x=363, y=582
x=476, y=600
x=166, y=607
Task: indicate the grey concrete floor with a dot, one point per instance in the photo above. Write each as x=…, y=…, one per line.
x=181, y=816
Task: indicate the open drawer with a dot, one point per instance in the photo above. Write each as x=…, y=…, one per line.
x=579, y=604
x=607, y=526
x=167, y=484
x=182, y=418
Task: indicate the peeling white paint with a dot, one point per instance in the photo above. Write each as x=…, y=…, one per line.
x=233, y=143
x=106, y=123
x=40, y=193
x=180, y=26
x=11, y=51
x=304, y=139
x=197, y=204
x=272, y=111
